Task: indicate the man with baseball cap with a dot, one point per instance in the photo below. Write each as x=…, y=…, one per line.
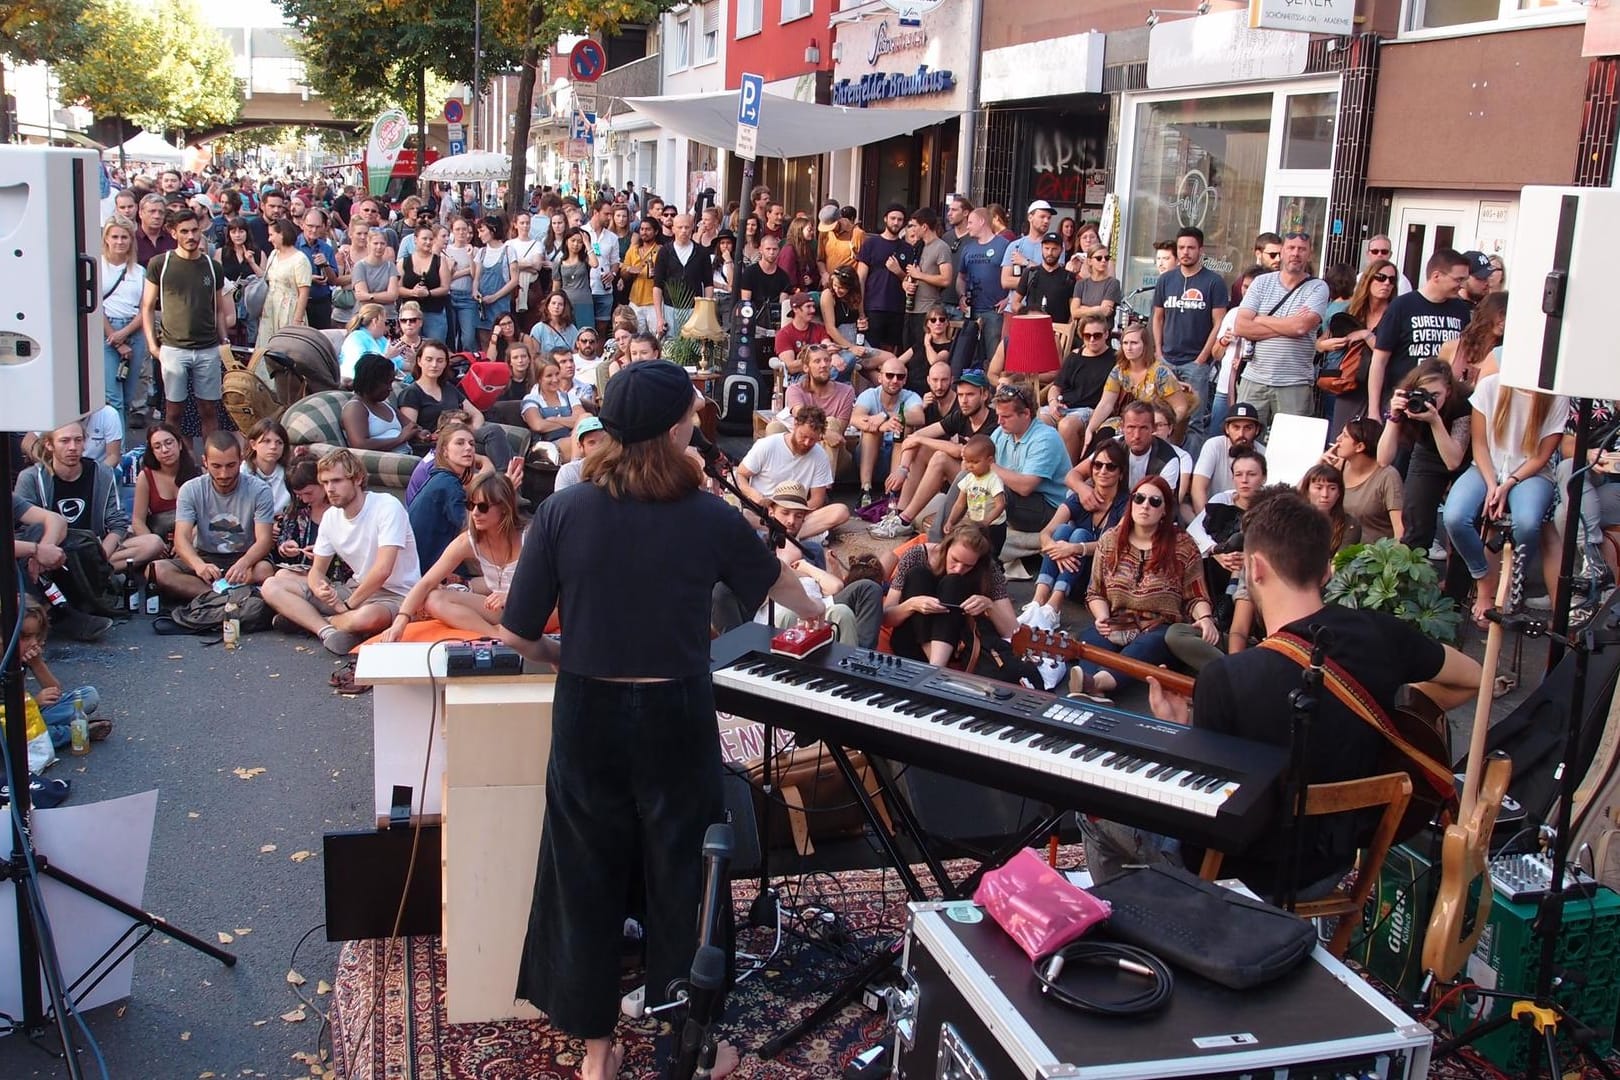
x=1478, y=284
x=930, y=458
x=1026, y=250
x=1213, y=472
x=799, y=331
x=588, y=435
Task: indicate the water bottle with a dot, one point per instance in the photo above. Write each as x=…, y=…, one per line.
x=232, y=626
x=79, y=729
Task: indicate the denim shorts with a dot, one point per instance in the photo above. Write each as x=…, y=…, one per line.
x=188, y=372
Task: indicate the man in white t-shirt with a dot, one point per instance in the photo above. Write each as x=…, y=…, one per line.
x=104, y=437
x=1213, y=473
x=373, y=537
x=795, y=455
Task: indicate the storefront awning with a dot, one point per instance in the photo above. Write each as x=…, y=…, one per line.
x=787, y=128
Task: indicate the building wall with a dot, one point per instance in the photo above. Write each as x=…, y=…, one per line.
x=777, y=50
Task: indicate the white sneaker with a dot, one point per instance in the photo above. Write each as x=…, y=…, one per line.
x=891, y=527
x=1047, y=617
x=1052, y=672
x=1437, y=551
x=1030, y=613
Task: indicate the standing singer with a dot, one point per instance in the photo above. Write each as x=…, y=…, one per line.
x=631, y=555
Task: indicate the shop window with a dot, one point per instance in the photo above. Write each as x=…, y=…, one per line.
x=1202, y=163
x=1308, y=131
x=750, y=13
x=1304, y=214
x=1441, y=14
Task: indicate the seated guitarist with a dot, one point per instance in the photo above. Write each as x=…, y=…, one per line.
x=1287, y=553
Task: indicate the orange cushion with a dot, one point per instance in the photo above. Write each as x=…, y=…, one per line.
x=431, y=630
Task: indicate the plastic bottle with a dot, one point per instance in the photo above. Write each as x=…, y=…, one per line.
x=233, y=625
x=79, y=728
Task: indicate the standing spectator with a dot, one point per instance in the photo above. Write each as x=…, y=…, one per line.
x=881, y=266
x=978, y=275
x=198, y=311
x=493, y=282
x=767, y=287
x=1280, y=315
x=424, y=277
x=373, y=537
x=841, y=240
x=1416, y=325
x=637, y=269
x=1096, y=291
x=681, y=273
x=318, y=250
x=375, y=277
x=288, y=274
x=1025, y=251
x=1366, y=307
x=927, y=278
x=459, y=255
x=1233, y=350
x=604, y=244
x=124, y=354
x=1189, y=303
x=153, y=237
x=242, y=263
x=529, y=268
x=1048, y=285
x=222, y=526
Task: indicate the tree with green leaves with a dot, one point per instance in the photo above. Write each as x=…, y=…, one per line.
x=190, y=85
x=38, y=31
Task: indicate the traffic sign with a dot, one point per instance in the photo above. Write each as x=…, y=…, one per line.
x=577, y=150
x=458, y=131
x=585, y=97
x=749, y=99
x=453, y=111
x=587, y=61
x=458, y=146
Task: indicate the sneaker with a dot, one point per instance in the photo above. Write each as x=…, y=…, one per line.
x=1052, y=672
x=892, y=527
x=77, y=625
x=341, y=642
x=1028, y=615
x=1437, y=551
x=866, y=498
x=1047, y=617
x=43, y=793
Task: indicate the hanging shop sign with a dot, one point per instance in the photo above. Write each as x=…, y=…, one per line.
x=880, y=86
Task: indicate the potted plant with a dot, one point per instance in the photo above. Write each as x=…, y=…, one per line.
x=1390, y=577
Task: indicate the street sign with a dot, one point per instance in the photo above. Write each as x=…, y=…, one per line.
x=577, y=150
x=458, y=146
x=453, y=111
x=749, y=98
x=587, y=61
x=585, y=98
x=457, y=130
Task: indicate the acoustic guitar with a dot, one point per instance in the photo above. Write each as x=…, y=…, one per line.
x=1462, y=905
x=1058, y=645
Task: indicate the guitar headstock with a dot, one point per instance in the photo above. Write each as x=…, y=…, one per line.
x=1036, y=645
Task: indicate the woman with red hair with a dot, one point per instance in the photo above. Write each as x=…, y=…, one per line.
x=1146, y=576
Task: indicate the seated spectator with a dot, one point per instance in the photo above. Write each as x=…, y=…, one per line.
x=817, y=387
x=371, y=534
x=583, y=364
x=854, y=607
x=800, y=332
x=1437, y=441
x=938, y=338
x=433, y=392
x=56, y=705
x=367, y=332
x=266, y=458
x=369, y=421
x=1149, y=455
x=222, y=528
x=1213, y=473
x=1030, y=460
x=300, y=520
x=1146, y=576
x=85, y=493
x=549, y=410
x=493, y=539
x=1323, y=487
x=930, y=460
x=439, y=510
x=795, y=455
x=522, y=372
x=1164, y=427
x=845, y=325
x=1071, y=400
x=1218, y=530
x=104, y=437
x=983, y=500
x=166, y=465
x=1138, y=376
x=938, y=588
x=1372, y=492
x=588, y=435
x=503, y=332
x=556, y=329
x=1072, y=537
x=883, y=414
x=37, y=545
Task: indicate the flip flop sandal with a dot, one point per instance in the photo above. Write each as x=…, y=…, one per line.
x=342, y=680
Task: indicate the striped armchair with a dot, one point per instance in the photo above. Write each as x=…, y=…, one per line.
x=315, y=423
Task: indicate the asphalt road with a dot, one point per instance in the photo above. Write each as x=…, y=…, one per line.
x=187, y=713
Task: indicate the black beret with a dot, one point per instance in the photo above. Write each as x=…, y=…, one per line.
x=645, y=400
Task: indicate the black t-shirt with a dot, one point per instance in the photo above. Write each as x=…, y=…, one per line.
x=765, y=292
x=71, y=498
x=682, y=283
x=1047, y=291
x=1080, y=380
x=957, y=425
x=634, y=609
x=428, y=408
x=1413, y=329
x=1247, y=695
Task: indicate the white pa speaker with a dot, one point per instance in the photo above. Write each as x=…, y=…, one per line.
x=1560, y=316
x=51, y=367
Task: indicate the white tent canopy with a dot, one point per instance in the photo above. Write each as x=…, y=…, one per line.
x=145, y=146
x=470, y=168
x=787, y=128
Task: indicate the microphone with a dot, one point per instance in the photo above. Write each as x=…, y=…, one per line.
x=717, y=846
x=714, y=459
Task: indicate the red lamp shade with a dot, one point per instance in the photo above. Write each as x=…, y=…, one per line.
x=1031, y=345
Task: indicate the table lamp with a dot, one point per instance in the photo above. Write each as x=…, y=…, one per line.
x=1031, y=345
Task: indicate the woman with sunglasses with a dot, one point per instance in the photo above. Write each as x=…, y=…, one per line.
x=937, y=588
x=1145, y=576
x=1364, y=311
x=1071, y=538
x=492, y=539
x=1097, y=293
x=938, y=337
x=1138, y=376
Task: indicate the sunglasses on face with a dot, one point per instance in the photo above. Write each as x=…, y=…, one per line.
x=404, y=322
x=1103, y=465
x=1099, y=258
x=894, y=374
x=938, y=319
x=1381, y=252
x=1387, y=279
x=1142, y=498
x=1093, y=337
x=478, y=507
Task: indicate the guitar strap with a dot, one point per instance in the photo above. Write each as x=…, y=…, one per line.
x=1350, y=693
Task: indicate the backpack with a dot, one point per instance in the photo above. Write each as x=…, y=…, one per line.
x=87, y=579
x=245, y=396
x=484, y=382
x=205, y=614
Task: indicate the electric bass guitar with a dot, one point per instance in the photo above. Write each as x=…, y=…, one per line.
x=1463, y=904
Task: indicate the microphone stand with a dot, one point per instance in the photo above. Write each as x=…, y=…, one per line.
x=694, y=1054
x=1302, y=701
x=762, y=912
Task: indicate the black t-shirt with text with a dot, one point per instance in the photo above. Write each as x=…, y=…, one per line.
x=1413, y=329
x=765, y=292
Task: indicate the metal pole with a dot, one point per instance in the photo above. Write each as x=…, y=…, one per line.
x=478, y=74
x=969, y=127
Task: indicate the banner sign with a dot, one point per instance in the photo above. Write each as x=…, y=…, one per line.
x=388, y=134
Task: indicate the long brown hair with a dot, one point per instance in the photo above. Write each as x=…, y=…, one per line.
x=1540, y=406
x=970, y=535
x=652, y=470
x=1327, y=474
x=1483, y=332
x=1361, y=299
x=502, y=498
x=1163, y=556
x=442, y=443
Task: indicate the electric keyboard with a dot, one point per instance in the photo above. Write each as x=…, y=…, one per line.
x=1201, y=786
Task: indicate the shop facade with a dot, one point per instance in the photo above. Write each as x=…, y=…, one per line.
x=799, y=182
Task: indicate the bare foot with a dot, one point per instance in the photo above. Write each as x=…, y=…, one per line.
x=726, y=1060
x=602, y=1068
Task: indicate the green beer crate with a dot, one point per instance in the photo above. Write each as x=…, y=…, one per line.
x=1389, y=942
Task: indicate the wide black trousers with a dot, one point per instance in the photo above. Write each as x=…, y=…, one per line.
x=634, y=775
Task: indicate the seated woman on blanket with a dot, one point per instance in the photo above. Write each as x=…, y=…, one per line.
x=492, y=538
x=1145, y=576
x=940, y=594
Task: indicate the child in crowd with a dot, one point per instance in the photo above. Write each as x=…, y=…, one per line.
x=984, y=499
x=266, y=458
x=55, y=704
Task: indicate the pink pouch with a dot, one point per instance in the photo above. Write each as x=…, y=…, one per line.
x=1038, y=906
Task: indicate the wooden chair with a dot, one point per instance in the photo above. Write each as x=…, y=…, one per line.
x=1391, y=791
x=1064, y=332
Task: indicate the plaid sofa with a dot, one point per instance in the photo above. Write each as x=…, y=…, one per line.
x=315, y=423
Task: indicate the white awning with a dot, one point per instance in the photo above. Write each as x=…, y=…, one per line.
x=787, y=128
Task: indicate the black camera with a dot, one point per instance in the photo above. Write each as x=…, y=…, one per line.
x=1419, y=400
